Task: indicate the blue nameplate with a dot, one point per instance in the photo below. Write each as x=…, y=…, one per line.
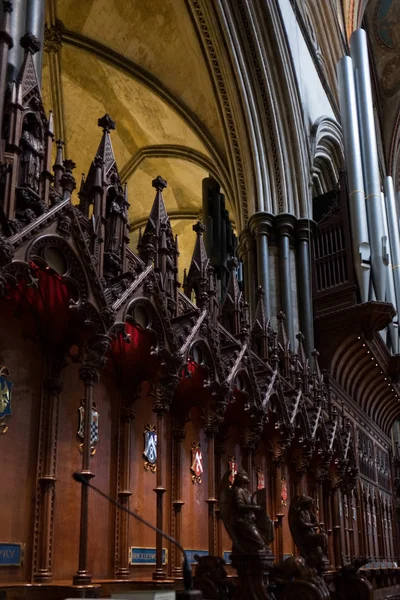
x=146, y=556
x=227, y=557
x=11, y=555
x=190, y=555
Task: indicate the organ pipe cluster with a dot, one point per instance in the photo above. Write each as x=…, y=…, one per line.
x=373, y=213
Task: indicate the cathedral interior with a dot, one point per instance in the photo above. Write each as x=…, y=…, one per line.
x=199, y=241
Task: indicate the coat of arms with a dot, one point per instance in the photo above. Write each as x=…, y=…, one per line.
x=150, y=448
x=233, y=468
x=5, y=398
x=94, y=428
x=260, y=478
x=284, y=492
x=197, y=463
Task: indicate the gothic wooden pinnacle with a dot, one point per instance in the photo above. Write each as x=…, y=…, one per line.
x=106, y=123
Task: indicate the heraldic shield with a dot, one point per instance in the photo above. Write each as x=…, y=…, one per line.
x=94, y=428
x=197, y=463
x=150, y=448
x=5, y=398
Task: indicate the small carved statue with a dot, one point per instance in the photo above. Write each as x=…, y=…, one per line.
x=212, y=579
x=246, y=522
x=32, y=154
x=307, y=533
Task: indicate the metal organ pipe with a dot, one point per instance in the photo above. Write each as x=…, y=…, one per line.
x=393, y=227
x=390, y=288
x=378, y=242
x=358, y=211
x=35, y=24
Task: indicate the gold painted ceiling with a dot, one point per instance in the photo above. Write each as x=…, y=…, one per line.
x=140, y=62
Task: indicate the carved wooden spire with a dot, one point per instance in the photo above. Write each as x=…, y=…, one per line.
x=197, y=277
x=103, y=190
x=158, y=246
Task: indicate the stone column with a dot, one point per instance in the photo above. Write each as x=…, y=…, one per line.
x=43, y=532
x=124, y=493
x=94, y=358
x=260, y=225
x=305, y=229
x=284, y=225
x=211, y=500
x=178, y=436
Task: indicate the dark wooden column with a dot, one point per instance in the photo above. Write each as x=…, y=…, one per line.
x=163, y=393
x=336, y=527
x=123, y=492
x=350, y=504
x=178, y=435
x=211, y=500
x=277, y=462
x=159, y=490
x=361, y=522
x=94, y=358
x=46, y=475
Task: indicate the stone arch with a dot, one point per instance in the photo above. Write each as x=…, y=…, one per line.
x=327, y=155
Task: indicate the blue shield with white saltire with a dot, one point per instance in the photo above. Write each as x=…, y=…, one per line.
x=94, y=425
x=5, y=397
x=150, y=446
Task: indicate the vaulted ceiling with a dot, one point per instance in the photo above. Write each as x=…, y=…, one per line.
x=146, y=69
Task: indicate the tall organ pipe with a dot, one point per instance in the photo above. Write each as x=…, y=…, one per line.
x=390, y=289
x=358, y=211
x=359, y=54
x=393, y=227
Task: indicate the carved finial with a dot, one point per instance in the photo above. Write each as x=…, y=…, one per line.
x=199, y=228
x=300, y=337
x=69, y=165
x=159, y=183
x=30, y=43
x=106, y=123
x=281, y=317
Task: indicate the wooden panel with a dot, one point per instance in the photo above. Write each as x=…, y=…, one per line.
x=18, y=446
